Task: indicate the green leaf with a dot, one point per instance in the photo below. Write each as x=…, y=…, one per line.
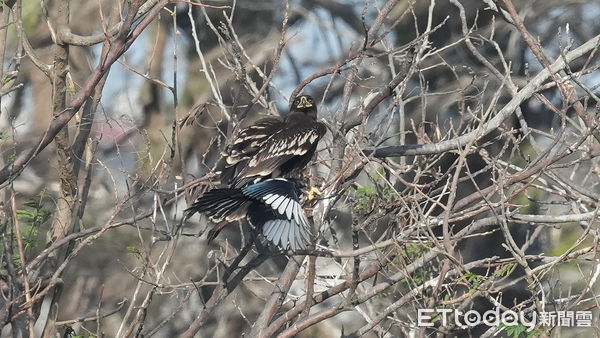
x=515, y=331
x=473, y=279
x=504, y=270
x=134, y=249
x=518, y=331
x=16, y=258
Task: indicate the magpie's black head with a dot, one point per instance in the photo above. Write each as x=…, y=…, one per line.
x=305, y=104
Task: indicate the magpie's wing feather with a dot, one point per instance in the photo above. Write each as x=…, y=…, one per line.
x=292, y=228
x=288, y=234
x=275, y=186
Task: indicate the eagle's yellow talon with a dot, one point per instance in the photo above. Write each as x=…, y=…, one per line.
x=312, y=192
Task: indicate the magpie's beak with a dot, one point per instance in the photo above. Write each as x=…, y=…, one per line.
x=303, y=103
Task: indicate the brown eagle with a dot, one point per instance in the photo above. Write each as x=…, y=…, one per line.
x=274, y=146
x=262, y=170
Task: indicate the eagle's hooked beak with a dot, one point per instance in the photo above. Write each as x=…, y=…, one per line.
x=303, y=103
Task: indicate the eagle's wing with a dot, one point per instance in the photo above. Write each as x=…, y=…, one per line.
x=281, y=147
x=248, y=141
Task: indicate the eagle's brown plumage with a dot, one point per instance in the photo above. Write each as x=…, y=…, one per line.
x=260, y=173
x=274, y=146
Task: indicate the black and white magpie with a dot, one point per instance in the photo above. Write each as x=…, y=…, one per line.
x=273, y=206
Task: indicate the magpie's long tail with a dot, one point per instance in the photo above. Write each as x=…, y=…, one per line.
x=272, y=205
x=218, y=204
x=221, y=206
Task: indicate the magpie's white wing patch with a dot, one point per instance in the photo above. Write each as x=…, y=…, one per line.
x=286, y=206
x=281, y=216
x=293, y=231
x=270, y=198
x=287, y=234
